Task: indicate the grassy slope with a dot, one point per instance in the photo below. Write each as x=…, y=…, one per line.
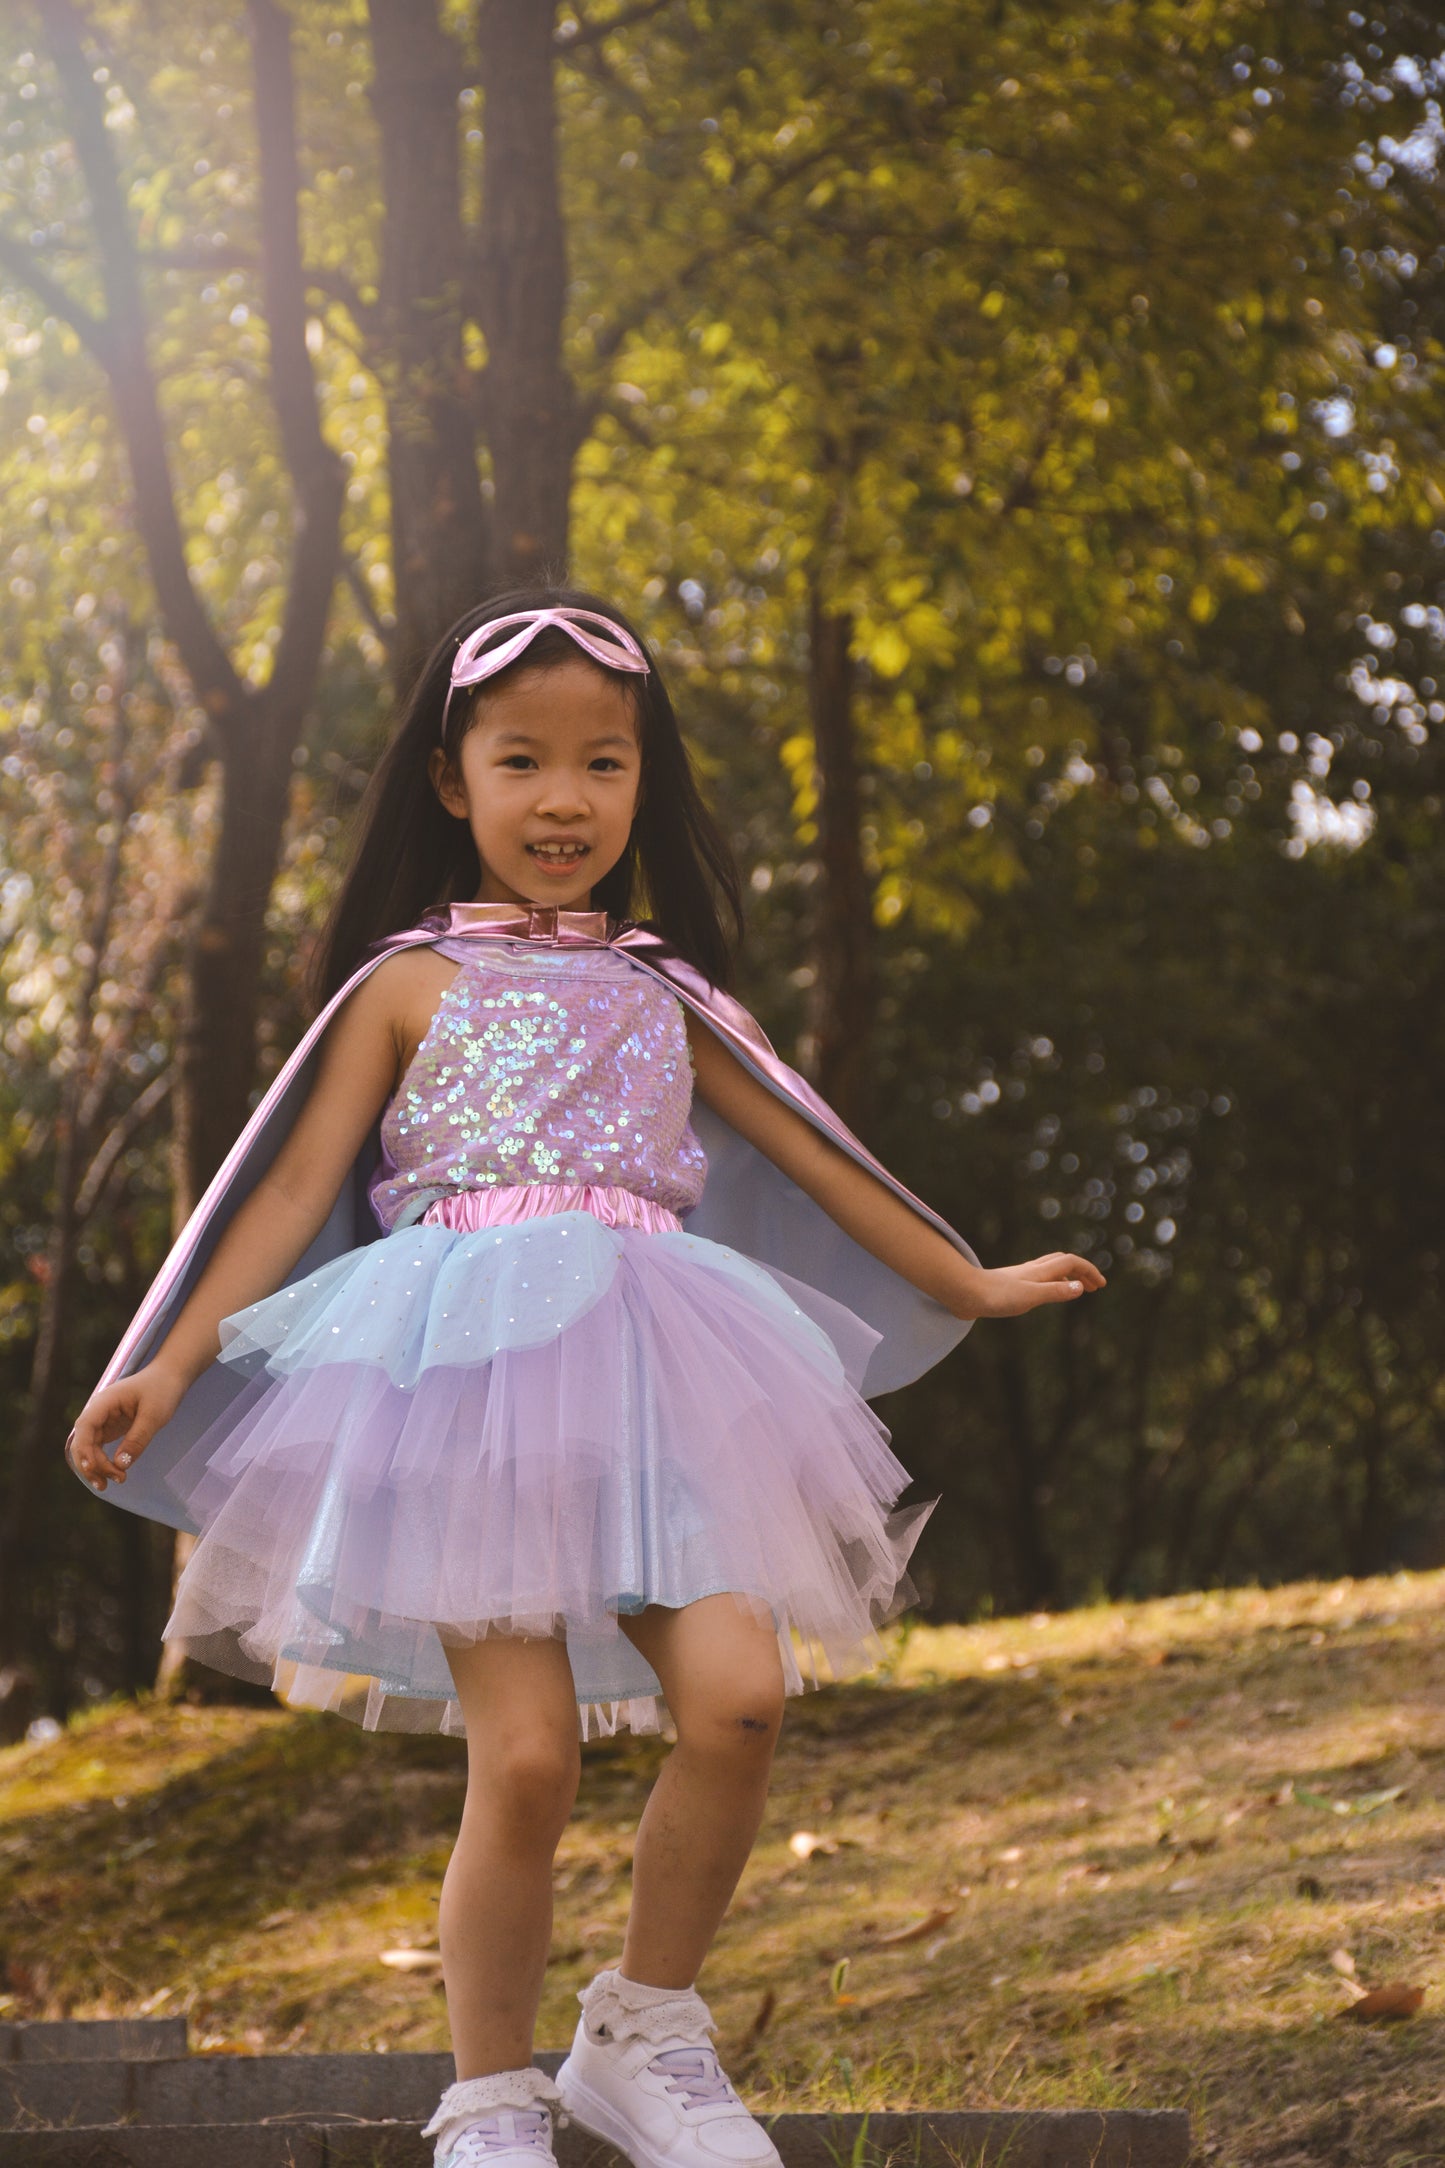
x=1141, y=1912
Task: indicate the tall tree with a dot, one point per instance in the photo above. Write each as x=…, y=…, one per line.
x=254, y=725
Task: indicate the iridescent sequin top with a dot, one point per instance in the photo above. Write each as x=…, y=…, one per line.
x=542, y=1065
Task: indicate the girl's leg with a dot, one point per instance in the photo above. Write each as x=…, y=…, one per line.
x=523, y=1765
x=723, y=1677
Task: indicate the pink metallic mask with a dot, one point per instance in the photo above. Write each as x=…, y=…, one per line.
x=615, y=650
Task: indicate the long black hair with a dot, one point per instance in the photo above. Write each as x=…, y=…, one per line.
x=411, y=854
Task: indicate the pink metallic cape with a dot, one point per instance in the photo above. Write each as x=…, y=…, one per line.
x=748, y=1203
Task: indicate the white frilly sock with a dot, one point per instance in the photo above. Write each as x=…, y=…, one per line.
x=631, y=2010
x=472, y=2098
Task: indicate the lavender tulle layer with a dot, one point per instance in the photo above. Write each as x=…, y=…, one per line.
x=525, y=1414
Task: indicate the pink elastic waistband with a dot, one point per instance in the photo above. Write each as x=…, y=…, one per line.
x=471, y=1209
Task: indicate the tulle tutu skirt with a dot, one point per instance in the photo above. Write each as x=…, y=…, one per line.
x=513, y=1417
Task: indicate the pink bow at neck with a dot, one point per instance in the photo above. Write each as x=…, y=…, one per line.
x=528, y=922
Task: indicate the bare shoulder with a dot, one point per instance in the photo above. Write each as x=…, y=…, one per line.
x=400, y=996
x=403, y=977
x=364, y=1052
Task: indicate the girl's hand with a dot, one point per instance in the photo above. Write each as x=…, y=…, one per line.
x=132, y=1409
x=1011, y=1290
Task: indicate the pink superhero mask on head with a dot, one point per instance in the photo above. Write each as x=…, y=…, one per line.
x=616, y=650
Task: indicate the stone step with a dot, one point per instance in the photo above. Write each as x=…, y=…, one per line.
x=1066, y=2138
x=124, y=2093
x=107, y=2039
x=226, y=2089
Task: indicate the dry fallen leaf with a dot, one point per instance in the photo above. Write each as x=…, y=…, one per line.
x=1371, y=1802
x=938, y=1917
x=1394, y=1999
x=1343, y=1963
x=805, y=1844
x=412, y=1960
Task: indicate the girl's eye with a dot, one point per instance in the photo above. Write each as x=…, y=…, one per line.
x=525, y=760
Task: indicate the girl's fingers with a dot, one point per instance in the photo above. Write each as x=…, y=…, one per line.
x=87, y=1462
x=95, y=1427
x=1063, y=1265
x=1059, y=1277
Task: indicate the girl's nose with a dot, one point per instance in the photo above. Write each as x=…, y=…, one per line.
x=563, y=795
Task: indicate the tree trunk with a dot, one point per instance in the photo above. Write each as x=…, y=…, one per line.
x=216, y=1040
x=440, y=545
x=530, y=403
x=845, y=991
x=255, y=729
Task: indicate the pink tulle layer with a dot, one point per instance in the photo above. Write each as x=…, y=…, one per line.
x=537, y=1427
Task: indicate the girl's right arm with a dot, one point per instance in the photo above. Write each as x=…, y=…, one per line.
x=356, y=1070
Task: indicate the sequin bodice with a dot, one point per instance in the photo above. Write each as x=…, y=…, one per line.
x=542, y=1065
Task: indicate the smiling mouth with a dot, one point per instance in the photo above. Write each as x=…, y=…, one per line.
x=560, y=855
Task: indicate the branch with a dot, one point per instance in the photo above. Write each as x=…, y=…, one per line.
x=132, y=383
x=325, y=279
x=317, y=475
x=20, y=258
x=365, y=600
x=102, y=1166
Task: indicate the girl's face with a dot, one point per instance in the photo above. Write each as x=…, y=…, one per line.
x=548, y=784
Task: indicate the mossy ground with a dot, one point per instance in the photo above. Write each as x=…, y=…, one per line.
x=1145, y=1830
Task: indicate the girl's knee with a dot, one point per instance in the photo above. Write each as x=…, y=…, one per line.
x=742, y=1715
x=533, y=1781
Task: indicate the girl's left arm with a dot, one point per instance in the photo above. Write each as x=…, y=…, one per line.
x=868, y=1211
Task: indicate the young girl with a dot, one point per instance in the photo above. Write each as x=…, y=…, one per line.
x=514, y=1363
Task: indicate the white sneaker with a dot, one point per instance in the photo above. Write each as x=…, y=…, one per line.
x=649, y=2082
x=499, y=2121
